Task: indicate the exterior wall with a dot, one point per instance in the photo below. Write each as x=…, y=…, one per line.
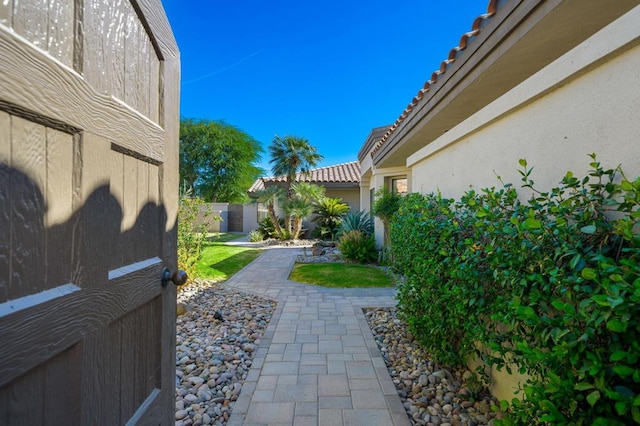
x=218, y=210
x=350, y=196
x=587, y=101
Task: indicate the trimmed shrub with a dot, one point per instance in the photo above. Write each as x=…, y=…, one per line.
x=551, y=284
x=358, y=247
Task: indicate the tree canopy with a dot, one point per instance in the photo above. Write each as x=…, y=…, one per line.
x=218, y=159
x=290, y=155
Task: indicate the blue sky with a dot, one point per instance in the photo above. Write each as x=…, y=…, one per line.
x=328, y=71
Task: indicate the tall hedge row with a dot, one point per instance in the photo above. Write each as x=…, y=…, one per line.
x=550, y=284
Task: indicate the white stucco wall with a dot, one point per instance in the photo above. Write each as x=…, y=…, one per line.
x=586, y=101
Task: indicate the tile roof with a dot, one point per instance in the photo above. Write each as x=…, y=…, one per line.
x=339, y=173
x=465, y=40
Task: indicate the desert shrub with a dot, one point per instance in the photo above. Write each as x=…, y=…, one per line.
x=356, y=221
x=357, y=246
x=191, y=233
x=266, y=228
x=550, y=284
x=255, y=236
x=329, y=213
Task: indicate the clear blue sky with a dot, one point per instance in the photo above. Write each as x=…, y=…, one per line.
x=328, y=71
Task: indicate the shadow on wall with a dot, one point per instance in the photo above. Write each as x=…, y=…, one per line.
x=82, y=250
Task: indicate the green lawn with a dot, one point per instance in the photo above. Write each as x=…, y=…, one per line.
x=340, y=275
x=220, y=261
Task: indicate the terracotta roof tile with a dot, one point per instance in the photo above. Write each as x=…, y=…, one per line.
x=339, y=173
x=467, y=38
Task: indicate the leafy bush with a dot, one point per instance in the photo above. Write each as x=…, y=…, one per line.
x=357, y=246
x=255, y=236
x=329, y=213
x=191, y=233
x=385, y=206
x=356, y=221
x=550, y=285
x=267, y=229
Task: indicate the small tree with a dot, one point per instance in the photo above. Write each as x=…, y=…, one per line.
x=218, y=160
x=269, y=196
x=291, y=155
x=191, y=232
x=299, y=205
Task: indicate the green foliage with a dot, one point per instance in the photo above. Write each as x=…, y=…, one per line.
x=330, y=212
x=191, y=233
x=551, y=285
x=385, y=206
x=218, y=159
x=298, y=205
x=267, y=228
x=269, y=196
x=255, y=236
x=356, y=221
x=358, y=246
x=291, y=155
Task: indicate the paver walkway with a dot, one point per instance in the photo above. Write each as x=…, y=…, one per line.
x=317, y=363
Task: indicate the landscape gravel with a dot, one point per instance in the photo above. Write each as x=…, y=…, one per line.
x=430, y=393
x=216, y=338
x=221, y=328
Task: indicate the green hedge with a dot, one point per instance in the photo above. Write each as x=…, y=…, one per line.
x=551, y=284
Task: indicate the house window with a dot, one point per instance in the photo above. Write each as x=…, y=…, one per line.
x=399, y=185
x=262, y=211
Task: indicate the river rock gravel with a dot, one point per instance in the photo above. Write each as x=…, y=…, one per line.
x=431, y=394
x=216, y=337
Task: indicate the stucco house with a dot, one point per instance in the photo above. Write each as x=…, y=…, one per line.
x=548, y=81
x=340, y=181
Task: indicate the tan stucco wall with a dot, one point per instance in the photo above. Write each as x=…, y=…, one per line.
x=350, y=196
x=587, y=101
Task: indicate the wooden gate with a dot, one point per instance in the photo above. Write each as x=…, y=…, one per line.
x=89, y=93
x=235, y=218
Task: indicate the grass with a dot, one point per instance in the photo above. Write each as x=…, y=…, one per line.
x=220, y=261
x=340, y=275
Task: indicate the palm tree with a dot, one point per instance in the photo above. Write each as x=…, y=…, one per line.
x=300, y=204
x=291, y=155
x=269, y=196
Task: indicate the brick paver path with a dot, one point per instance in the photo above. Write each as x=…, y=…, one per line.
x=318, y=363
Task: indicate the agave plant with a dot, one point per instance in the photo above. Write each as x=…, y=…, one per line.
x=356, y=221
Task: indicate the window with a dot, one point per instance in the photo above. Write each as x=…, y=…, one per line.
x=399, y=185
x=262, y=211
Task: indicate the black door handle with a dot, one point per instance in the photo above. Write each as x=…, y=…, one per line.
x=179, y=277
